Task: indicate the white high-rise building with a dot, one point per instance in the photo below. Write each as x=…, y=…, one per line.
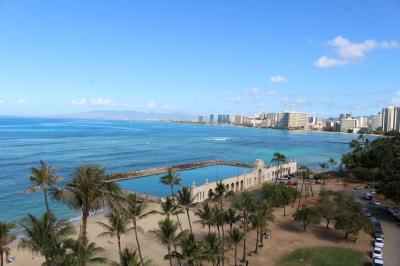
x=292, y=120
x=391, y=119
x=376, y=121
x=362, y=122
x=347, y=124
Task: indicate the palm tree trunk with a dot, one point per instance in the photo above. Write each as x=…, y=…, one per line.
x=169, y=255
x=256, y=249
x=85, y=215
x=301, y=192
x=137, y=243
x=119, y=242
x=209, y=228
x=235, y=254
x=223, y=245
x=179, y=261
x=188, y=216
x=244, y=241
x=284, y=210
x=1, y=258
x=46, y=200
x=261, y=238
x=179, y=222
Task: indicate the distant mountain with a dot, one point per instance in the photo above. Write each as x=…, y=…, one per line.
x=129, y=115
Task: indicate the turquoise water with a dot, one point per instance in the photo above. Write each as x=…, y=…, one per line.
x=198, y=175
x=124, y=146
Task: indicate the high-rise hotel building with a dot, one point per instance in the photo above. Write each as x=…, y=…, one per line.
x=391, y=119
x=292, y=120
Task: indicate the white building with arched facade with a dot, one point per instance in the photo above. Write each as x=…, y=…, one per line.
x=258, y=176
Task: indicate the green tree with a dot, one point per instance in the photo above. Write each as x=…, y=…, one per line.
x=129, y=257
x=171, y=179
x=6, y=237
x=231, y=217
x=327, y=209
x=332, y=162
x=185, y=199
x=279, y=159
x=88, y=192
x=206, y=216
x=43, y=178
x=191, y=250
x=118, y=224
x=45, y=236
x=212, y=248
x=259, y=218
x=323, y=166
x=85, y=253
x=235, y=236
x=167, y=234
x=135, y=210
x=245, y=204
x=307, y=215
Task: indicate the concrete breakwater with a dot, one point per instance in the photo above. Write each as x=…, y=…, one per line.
x=176, y=168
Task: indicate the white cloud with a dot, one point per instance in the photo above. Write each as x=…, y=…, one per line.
x=293, y=102
x=236, y=99
x=22, y=101
x=167, y=107
x=278, y=79
x=349, y=52
x=100, y=101
x=272, y=93
x=254, y=91
x=1, y=101
x=224, y=94
x=79, y=102
x=151, y=104
x=325, y=62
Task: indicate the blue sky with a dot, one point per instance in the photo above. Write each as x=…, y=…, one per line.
x=199, y=57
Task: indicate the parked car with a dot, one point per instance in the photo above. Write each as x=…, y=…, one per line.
x=377, y=253
x=378, y=243
x=367, y=196
x=358, y=187
x=377, y=262
x=375, y=202
x=379, y=235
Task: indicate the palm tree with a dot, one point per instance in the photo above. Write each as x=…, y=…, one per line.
x=85, y=253
x=235, y=236
x=129, y=257
x=218, y=196
x=323, y=166
x=262, y=214
x=185, y=200
x=231, y=217
x=212, y=248
x=279, y=159
x=169, y=207
x=45, y=236
x=333, y=162
x=87, y=191
x=167, y=235
x=206, y=216
x=118, y=224
x=135, y=211
x=6, y=237
x=191, y=250
x=43, y=178
x=171, y=179
x=245, y=204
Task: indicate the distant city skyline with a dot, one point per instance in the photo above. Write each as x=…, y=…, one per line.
x=199, y=58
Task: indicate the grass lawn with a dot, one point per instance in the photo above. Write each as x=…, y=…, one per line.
x=324, y=256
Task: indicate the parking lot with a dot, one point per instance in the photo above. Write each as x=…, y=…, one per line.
x=390, y=228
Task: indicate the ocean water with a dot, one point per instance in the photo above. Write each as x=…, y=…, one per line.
x=124, y=146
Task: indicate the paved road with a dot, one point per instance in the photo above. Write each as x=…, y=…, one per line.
x=391, y=232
